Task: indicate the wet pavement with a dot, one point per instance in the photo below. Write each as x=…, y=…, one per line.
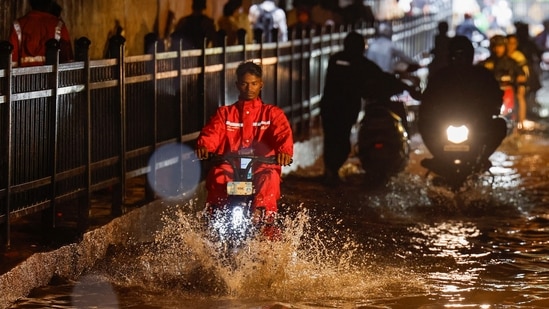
x=28, y=236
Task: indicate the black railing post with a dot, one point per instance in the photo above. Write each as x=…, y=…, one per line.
x=5, y=54
x=52, y=58
x=82, y=47
x=6, y=142
x=52, y=52
x=223, y=78
x=274, y=35
x=202, y=84
x=291, y=90
x=116, y=50
x=115, y=46
x=276, y=66
x=241, y=36
x=150, y=194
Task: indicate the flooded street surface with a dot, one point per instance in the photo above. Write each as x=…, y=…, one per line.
x=409, y=245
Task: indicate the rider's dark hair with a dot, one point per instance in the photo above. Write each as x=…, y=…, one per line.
x=248, y=67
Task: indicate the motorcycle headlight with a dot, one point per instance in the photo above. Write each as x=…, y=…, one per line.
x=237, y=216
x=457, y=135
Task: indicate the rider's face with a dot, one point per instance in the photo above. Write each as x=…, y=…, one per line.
x=249, y=86
x=499, y=50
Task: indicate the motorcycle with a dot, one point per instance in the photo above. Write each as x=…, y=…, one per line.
x=231, y=225
x=459, y=148
x=383, y=145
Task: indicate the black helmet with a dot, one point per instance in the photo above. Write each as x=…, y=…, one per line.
x=460, y=49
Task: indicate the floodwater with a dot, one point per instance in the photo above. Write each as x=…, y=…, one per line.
x=409, y=245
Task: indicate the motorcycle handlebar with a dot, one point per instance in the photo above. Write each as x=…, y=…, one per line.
x=227, y=157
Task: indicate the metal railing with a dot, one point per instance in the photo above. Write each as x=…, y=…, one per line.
x=72, y=129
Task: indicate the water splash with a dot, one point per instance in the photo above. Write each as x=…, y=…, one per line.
x=310, y=262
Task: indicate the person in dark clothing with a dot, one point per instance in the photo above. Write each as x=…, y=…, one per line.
x=194, y=28
x=533, y=55
x=357, y=14
x=440, y=49
x=350, y=77
x=462, y=89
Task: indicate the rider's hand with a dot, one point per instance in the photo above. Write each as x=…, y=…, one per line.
x=201, y=153
x=283, y=159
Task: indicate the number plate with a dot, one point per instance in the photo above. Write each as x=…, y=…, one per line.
x=462, y=148
x=239, y=188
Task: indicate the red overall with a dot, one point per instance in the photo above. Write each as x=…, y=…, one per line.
x=247, y=124
x=29, y=35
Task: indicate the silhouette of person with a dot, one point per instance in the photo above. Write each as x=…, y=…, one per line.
x=194, y=28
x=357, y=13
x=350, y=77
x=440, y=49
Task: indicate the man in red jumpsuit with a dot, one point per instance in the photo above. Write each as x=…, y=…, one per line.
x=248, y=125
x=29, y=35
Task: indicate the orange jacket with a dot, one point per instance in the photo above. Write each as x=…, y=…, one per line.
x=248, y=124
x=29, y=35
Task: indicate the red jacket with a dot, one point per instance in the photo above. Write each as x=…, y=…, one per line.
x=29, y=35
x=246, y=124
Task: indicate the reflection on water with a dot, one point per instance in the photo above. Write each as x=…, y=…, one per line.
x=409, y=246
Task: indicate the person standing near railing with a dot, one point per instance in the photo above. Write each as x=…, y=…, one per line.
x=233, y=21
x=194, y=28
x=265, y=17
x=350, y=77
x=384, y=52
x=29, y=35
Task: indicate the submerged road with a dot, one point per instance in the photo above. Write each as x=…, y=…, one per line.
x=407, y=245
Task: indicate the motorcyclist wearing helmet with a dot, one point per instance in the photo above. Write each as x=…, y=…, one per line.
x=464, y=90
x=504, y=68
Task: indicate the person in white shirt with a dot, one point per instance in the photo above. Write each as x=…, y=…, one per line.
x=384, y=52
x=278, y=16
